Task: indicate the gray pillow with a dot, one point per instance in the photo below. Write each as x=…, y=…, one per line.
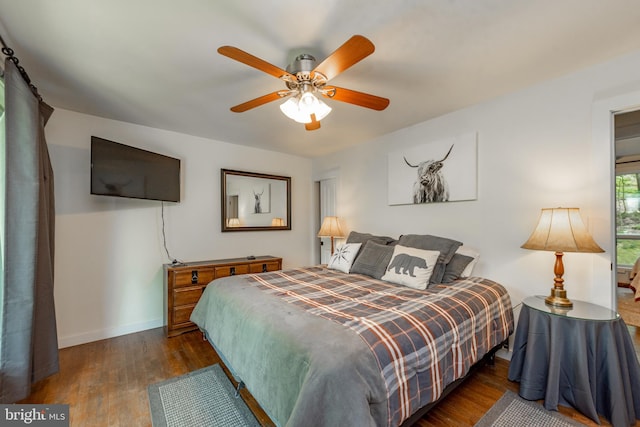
x=355, y=237
x=447, y=248
x=456, y=266
x=373, y=259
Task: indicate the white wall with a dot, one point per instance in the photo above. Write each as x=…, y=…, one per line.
x=535, y=150
x=109, y=251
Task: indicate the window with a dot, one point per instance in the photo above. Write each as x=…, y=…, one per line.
x=628, y=216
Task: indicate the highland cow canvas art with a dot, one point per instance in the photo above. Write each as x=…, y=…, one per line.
x=441, y=171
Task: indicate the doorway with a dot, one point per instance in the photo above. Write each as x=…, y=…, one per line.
x=327, y=207
x=627, y=213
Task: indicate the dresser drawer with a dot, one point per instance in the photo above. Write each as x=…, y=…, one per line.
x=231, y=270
x=182, y=314
x=263, y=267
x=190, y=295
x=200, y=276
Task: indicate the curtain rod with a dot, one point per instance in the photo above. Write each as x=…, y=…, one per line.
x=9, y=53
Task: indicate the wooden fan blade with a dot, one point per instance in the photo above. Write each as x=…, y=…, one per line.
x=254, y=61
x=357, y=98
x=313, y=125
x=352, y=51
x=241, y=108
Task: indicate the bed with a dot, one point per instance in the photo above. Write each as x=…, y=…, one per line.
x=326, y=347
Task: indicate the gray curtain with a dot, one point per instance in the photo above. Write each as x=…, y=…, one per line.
x=28, y=339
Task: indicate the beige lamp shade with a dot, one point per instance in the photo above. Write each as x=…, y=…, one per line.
x=330, y=227
x=277, y=222
x=561, y=230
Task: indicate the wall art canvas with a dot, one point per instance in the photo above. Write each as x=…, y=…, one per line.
x=440, y=171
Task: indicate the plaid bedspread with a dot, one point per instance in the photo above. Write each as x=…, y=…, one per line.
x=422, y=340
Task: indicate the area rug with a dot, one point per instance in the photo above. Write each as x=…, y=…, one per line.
x=200, y=398
x=511, y=410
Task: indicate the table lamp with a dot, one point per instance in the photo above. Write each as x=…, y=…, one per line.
x=561, y=230
x=330, y=228
x=233, y=222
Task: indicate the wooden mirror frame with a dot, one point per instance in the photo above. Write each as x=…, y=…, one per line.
x=227, y=174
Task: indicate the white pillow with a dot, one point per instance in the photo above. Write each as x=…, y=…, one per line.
x=467, y=251
x=344, y=256
x=411, y=267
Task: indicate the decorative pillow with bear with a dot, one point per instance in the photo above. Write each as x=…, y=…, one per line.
x=411, y=267
x=446, y=247
x=343, y=257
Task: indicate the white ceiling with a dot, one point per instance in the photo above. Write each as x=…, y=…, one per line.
x=154, y=62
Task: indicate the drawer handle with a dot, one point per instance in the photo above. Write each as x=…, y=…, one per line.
x=194, y=277
x=264, y=268
x=233, y=271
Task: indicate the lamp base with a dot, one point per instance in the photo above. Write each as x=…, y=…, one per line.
x=558, y=298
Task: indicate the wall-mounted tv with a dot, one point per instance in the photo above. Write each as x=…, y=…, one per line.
x=124, y=171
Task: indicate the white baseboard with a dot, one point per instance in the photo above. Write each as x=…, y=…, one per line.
x=71, y=340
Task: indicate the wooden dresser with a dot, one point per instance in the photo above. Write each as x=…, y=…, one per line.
x=184, y=284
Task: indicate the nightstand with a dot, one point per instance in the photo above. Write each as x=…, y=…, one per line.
x=583, y=357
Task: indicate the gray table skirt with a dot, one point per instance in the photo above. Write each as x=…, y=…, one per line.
x=587, y=364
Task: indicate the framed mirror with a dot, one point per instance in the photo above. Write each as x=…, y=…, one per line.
x=255, y=201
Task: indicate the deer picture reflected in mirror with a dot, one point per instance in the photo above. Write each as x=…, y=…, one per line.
x=255, y=201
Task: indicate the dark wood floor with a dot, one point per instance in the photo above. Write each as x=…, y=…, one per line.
x=105, y=382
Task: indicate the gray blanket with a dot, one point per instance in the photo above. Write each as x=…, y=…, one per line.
x=299, y=367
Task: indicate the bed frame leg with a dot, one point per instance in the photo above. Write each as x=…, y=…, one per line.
x=239, y=387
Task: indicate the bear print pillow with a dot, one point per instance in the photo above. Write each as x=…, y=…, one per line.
x=411, y=267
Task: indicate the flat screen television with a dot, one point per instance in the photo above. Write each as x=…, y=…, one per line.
x=124, y=171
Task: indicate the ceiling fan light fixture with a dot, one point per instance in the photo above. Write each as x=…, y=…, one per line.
x=307, y=101
x=301, y=108
x=321, y=110
x=290, y=109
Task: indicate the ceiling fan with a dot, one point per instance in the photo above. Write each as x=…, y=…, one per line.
x=305, y=81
